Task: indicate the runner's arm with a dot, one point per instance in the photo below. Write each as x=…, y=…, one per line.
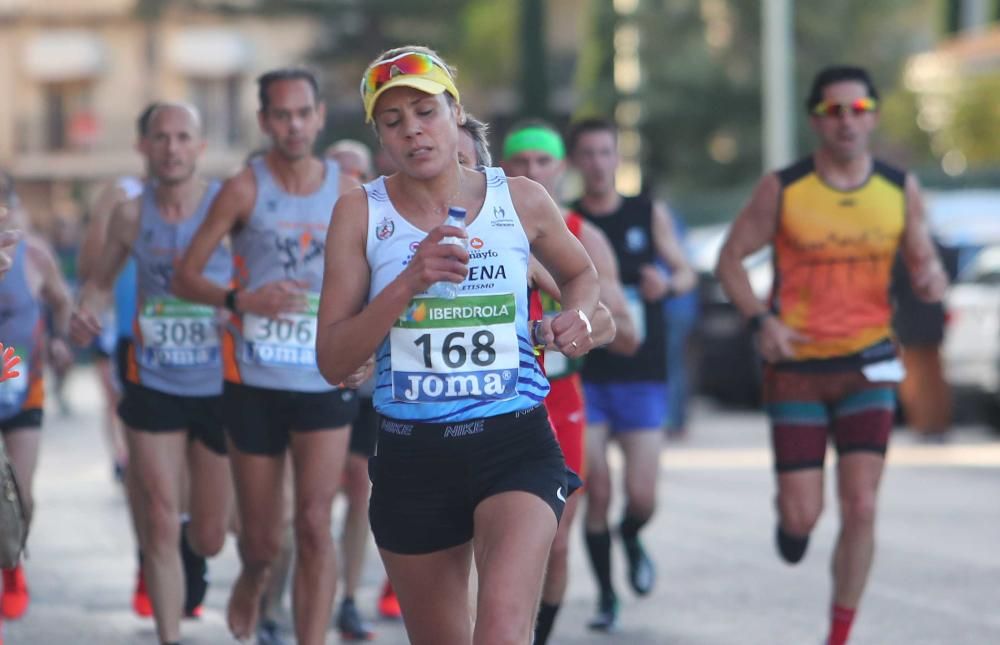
x=95, y=235
x=625, y=340
x=54, y=291
x=95, y=296
x=564, y=257
x=753, y=229
x=927, y=274
x=123, y=227
x=228, y=210
x=668, y=248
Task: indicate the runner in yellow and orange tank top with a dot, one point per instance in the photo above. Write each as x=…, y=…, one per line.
x=836, y=220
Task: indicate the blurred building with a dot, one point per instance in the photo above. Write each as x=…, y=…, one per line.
x=74, y=74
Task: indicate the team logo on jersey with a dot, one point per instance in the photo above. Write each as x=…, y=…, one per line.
x=476, y=243
x=635, y=239
x=385, y=229
x=500, y=218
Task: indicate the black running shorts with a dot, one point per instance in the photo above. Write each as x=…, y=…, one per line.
x=364, y=430
x=30, y=419
x=259, y=420
x=428, y=478
x=148, y=410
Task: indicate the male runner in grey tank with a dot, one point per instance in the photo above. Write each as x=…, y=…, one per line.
x=276, y=212
x=172, y=400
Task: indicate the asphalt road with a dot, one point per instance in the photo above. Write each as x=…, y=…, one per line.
x=936, y=579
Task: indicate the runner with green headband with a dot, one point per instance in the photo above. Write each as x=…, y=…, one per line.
x=533, y=149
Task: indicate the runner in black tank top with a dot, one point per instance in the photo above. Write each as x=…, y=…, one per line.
x=629, y=229
x=625, y=397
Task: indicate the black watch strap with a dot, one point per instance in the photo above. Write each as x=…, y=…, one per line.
x=756, y=321
x=231, y=300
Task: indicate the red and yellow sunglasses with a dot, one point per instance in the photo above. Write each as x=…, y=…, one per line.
x=857, y=107
x=407, y=63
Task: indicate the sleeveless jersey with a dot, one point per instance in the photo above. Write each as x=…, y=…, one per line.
x=125, y=285
x=833, y=255
x=23, y=328
x=462, y=359
x=285, y=239
x=630, y=232
x=176, y=348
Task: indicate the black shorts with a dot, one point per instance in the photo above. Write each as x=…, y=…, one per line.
x=364, y=430
x=122, y=348
x=147, y=410
x=30, y=419
x=259, y=420
x=428, y=478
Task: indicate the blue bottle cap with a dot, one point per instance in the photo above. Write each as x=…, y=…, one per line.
x=456, y=211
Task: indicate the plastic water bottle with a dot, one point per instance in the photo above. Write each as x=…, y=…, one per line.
x=446, y=289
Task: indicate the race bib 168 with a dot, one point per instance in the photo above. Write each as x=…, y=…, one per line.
x=445, y=350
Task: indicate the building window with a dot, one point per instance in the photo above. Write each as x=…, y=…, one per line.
x=70, y=121
x=218, y=100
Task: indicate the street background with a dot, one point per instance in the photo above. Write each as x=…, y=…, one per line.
x=935, y=579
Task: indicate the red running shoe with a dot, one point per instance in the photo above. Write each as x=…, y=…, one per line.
x=388, y=603
x=141, y=604
x=15, y=593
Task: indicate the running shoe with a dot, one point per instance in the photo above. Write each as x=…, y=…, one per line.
x=15, y=598
x=350, y=625
x=269, y=633
x=141, y=604
x=606, y=618
x=641, y=571
x=388, y=603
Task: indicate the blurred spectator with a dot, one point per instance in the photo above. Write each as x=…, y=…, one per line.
x=353, y=157
x=924, y=394
x=681, y=313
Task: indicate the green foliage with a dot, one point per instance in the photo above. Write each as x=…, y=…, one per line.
x=701, y=91
x=976, y=122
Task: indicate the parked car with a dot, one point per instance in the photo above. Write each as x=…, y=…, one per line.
x=967, y=223
x=727, y=363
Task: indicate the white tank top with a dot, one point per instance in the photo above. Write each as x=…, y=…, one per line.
x=467, y=358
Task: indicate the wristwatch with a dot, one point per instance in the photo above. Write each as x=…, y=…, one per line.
x=231, y=300
x=756, y=321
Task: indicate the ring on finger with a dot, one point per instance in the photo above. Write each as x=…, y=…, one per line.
x=573, y=345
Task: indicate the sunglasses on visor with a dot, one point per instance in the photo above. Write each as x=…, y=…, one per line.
x=857, y=108
x=409, y=63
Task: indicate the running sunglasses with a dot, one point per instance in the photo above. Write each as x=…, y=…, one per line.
x=409, y=63
x=858, y=107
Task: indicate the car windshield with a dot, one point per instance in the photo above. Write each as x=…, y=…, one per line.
x=984, y=268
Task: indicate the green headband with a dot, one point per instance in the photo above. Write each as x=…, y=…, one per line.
x=537, y=138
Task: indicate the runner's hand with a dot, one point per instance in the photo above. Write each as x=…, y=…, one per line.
x=10, y=361
x=571, y=335
x=61, y=354
x=654, y=283
x=360, y=375
x=777, y=340
x=436, y=262
x=930, y=282
x=273, y=299
x=84, y=327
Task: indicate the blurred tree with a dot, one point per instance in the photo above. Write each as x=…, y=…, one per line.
x=700, y=93
x=479, y=37
x=976, y=121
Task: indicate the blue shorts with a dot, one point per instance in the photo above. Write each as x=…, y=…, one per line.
x=628, y=406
